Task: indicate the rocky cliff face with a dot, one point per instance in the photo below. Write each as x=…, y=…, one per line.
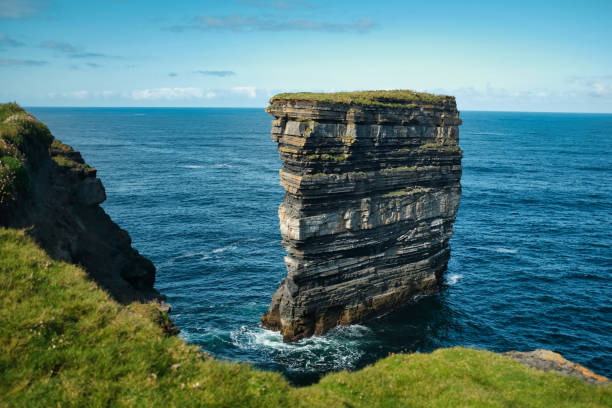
x=47, y=188
x=372, y=184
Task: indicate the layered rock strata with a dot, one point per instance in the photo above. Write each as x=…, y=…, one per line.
x=372, y=185
x=58, y=205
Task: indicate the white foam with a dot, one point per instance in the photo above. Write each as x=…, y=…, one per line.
x=192, y=166
x=223, y=249
x=222, y=165
x=341, y=348
x=453, y=278
x=506, y=250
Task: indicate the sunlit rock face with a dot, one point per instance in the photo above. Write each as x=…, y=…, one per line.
x=372, y=189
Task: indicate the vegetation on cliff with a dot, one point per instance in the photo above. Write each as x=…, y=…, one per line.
x=65, y=342
x=18, y=132
x=392, y=98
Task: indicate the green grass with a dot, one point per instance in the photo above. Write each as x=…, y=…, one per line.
x=64, y=148
x=20, y=134
x=64, y=342
x=9, y=109
x=14, y=169
x=63, y=161
x=393, y=98
x=440, y=146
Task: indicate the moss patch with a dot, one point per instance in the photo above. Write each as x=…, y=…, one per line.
x=392, y=98
x=337, y=158
x=440, y=146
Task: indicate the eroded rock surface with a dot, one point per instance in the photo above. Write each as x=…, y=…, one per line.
x=60, y=209
x=371, y=196
x=547, y=360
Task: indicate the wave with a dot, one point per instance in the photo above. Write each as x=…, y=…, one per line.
x=202, y=255
x=339, y=349
x=225, y=248
x=192, y=166
x=453, y=278
x=506, y=251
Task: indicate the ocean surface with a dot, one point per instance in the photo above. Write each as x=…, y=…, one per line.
x=531, y=266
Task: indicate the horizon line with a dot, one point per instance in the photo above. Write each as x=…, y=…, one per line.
x=263, y=107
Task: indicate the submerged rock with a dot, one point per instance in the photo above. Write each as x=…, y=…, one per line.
x=372, y=184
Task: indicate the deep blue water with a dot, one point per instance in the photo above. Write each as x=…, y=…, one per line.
x=531, y=264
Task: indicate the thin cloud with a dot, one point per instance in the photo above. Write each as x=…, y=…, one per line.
x=6, y=41
x=216, y=73
x=7, y=62
x=171, y=94
x=249, y=91
x=58, y=46
x=237, y=23
x=17, y=9
x=73, y=51
x=172, y=74
x=597, y=86
x=278, y=4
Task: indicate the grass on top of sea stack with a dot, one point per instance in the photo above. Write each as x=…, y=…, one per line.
x=64, y=342
x=394, y=98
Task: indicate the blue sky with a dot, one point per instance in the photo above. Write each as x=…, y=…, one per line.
x=492, y=55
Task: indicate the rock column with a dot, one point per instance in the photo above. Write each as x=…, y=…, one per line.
x=371, y=195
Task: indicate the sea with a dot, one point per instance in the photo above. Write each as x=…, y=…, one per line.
x=531, y=264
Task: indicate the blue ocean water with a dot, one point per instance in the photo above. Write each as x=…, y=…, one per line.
x=531, y=264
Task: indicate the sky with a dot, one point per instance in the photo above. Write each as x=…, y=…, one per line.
x=547, y=56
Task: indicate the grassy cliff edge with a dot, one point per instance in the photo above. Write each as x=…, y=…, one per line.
x=65, y=342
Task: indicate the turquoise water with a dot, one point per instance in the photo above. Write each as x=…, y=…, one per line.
x=531, y=264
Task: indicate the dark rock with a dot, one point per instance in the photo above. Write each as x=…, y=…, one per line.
x=61, y=211
x=371, y=197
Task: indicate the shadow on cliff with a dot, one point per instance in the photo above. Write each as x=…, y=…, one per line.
x=57, y=203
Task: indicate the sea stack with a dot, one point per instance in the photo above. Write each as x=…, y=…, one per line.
x=372, y=183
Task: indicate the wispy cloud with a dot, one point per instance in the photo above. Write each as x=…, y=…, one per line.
x=238, y=23
x=16, y=9
x=58, y=46
x=6, y=41
x=215, y=73
x=82, y=94
x=249, y=91
x=598, y=86
x=278, y=4
x=73, y=51
x=171, y=94
x=7, y=62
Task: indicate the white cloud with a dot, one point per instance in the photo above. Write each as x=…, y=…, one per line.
x=171, y=94
x=82, y=94
x=249, y=91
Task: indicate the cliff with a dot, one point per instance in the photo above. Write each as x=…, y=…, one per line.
x=47, y=188
x=372, y=183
